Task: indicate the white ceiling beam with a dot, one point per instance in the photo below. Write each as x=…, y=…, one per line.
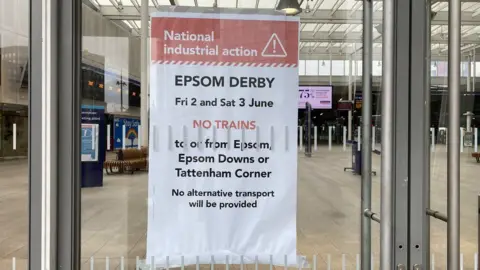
x=469, y=32
x=355, y=7
x=325, y=56
x=136, y=5
x=115, y=5
x=440, y=6
x=155, y=4
x=317, y=28
x=476, y=9
x=343, y=45
x=316, y=7
x=349, y=29
x=356, y=37
x=316, y=45
x=336, y=6
x=92, y=3
x=464, y=48
x=476, y=13
x=437, y=29
x=134, y=27
x=320, y=16
x=333, y=29
x=329, y=46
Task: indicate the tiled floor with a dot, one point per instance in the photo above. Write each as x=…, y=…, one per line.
x=114, y=216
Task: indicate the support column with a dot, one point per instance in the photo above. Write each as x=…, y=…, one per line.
x=427, y=120
x=331, y=67
x=453, y=159
x=474, y=70
x=42, y=111
x=144, y=84
x=355, y=68
x=405, y=135
x=349, y=119
x=387, y=161
x=401, y=122
x=54, y=154
x=419, y=130
x=366, y=233
x=469, y=89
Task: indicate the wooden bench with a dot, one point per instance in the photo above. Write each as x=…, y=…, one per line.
x=128, y=160
x=145, y=154
x=476, y=155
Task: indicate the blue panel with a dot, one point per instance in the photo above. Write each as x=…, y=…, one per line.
x=131, y=132
x=88, y=148
x=92, y=172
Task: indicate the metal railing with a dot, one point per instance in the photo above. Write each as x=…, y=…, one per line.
x=320, y=262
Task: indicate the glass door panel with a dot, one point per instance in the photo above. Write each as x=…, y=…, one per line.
x=14, y=223
x=115, y=196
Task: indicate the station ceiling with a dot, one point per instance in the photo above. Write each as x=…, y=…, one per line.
x=328, y=27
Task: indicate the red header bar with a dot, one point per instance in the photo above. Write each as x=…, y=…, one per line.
x=224, y=41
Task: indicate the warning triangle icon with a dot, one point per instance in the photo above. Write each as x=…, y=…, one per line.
x=274, y=48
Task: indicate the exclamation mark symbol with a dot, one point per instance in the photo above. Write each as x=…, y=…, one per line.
x=274, y=46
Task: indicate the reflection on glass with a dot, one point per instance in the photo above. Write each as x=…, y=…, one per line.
x=115, y=212
x=113, y=199
x=14, y=134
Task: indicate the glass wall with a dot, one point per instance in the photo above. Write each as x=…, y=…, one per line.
x=14, y=134
x=115, y=201
x=470, y=106
x=116, y=168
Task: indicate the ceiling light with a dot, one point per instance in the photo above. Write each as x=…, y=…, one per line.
x=290, y=7
x=307, y=8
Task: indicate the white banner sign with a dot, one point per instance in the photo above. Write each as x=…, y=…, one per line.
x=223, y=154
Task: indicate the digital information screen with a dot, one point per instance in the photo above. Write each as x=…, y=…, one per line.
x=320, y=97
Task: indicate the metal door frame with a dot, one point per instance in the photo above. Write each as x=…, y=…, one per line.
x=405, y=175
x=54, y=152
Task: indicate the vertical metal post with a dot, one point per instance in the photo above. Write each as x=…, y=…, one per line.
x=474, y=70
x=419, y=130
x=68, y=173
x=330, y=137
x=387, y=168
x=331, y=66
x=355, y=67
x=300, y=137
x=402, y=52
x=14, y=131
x=349, y=120
x=453, y=160
x=308, y=131
x=469, y=89
x=427, y=120
x=121, y=91
x=366, y=233
x=41, y=18
x=144, y=106
x=469, y=75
